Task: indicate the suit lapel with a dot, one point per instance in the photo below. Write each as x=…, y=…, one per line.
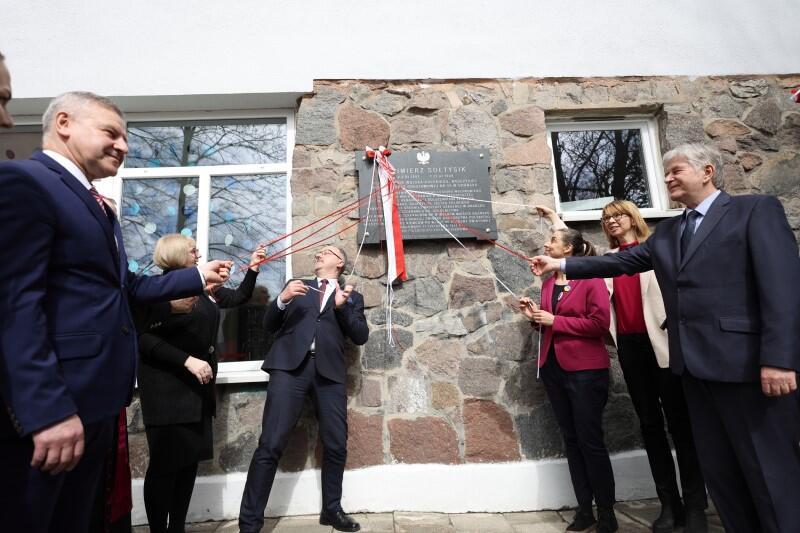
x=715, y=213
x=547, y=295
x=86, y=197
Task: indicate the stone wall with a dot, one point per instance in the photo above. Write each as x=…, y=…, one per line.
x=460, y=383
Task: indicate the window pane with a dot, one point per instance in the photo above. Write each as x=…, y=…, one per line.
x=602, y=165
x=152, y=208
x=206, y=143
x=20, y=143
x=246, y=211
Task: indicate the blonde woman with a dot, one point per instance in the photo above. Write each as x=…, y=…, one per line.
x=177, y=369
x=636, y=326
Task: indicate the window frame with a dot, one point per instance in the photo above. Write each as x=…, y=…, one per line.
x=234, y=371
x=648, y=127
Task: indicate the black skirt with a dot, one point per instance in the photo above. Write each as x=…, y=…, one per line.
x=175, y=446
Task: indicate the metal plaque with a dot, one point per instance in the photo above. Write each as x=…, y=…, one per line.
x=459, y=198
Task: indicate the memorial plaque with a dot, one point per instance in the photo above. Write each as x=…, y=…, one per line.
x=459, y=183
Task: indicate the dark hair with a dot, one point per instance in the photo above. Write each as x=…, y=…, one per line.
x=580, y=246
x=2, y=57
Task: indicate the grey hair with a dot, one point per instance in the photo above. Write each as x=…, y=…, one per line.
x=699, y=155
x=344, y=259
x=72, y=102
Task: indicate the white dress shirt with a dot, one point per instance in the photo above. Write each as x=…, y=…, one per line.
x=329, y=289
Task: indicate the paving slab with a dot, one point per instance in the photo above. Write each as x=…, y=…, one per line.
x=536, y=522
x=297, y=524
x=405, y=522
x=480, y=523
x=643, y=511
x=201, y=527
x=375, y=522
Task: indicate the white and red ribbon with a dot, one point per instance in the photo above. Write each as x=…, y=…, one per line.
x=396, y=260
x=395, y=257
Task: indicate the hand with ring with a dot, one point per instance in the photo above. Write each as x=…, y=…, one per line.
x=199, y=369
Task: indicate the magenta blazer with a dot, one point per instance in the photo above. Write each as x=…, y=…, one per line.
x=580, y=324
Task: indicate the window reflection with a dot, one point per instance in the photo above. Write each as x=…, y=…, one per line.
x=152, y=208
x=204, y=143
x=600, y=164
x=243, y=212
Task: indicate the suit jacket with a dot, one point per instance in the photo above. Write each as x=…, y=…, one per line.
x=732, y=302
x=654, y=314
x=302, y=322
x=67, y=339
x=579, y=325
x=168, y=392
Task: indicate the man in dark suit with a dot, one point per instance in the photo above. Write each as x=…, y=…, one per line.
x=312, y=318
x=67, y=340
x=730, y=278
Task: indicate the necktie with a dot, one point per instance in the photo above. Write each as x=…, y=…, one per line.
x=323, y=287
x=688, y=231
x=99, y=197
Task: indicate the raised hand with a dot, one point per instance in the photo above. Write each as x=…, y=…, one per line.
x=294, y=288
x=216, y=272
x=343, y=294
x=527, y=307
x=58, y=447
x=199, y=369
x=542, y=264
x=258, y=256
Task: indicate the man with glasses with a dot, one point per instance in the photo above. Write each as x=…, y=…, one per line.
x=312, y=319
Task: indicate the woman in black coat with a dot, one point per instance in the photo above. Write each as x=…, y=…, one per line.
x=176, y=375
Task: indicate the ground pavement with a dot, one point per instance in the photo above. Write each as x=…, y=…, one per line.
x=633, y=517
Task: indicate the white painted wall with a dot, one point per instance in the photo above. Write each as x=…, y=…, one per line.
x=493, y=487
x=183, y=47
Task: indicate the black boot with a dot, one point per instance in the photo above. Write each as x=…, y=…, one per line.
x=606, y=520
x=671, y=517
x=696, y=521
x=584, y=519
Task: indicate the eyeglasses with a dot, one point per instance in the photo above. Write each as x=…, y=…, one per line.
x=616, y=216
x=326, y=251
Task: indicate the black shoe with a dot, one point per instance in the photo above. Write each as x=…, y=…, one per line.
x=584, y=519
x=696, y=521
x=671, y=517
x=339, y=521
x=606, y=520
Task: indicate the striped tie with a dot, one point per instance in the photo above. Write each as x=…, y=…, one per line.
x=100, y=201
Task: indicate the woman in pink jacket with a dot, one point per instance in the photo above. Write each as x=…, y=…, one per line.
x=573, y=361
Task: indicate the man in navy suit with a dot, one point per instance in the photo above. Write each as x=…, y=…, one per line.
x=730, y=278
x=312, y=319
x=67, y=340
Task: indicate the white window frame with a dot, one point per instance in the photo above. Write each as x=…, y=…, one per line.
x=234, y=371
x=654, y=170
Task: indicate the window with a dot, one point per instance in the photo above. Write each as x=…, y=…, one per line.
x=225, y=183
x=596, y=162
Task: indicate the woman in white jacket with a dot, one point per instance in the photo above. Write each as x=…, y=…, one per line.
x=637, y=317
